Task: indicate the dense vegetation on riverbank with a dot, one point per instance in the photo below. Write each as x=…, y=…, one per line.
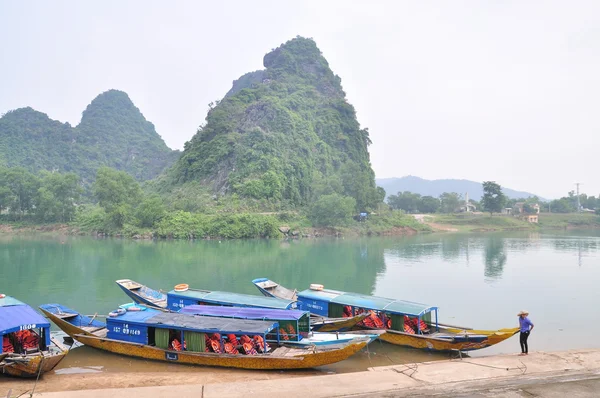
x=119, y=206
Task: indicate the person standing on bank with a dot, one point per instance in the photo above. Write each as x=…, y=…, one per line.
x=525, y=326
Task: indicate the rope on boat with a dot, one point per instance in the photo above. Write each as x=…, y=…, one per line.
x=414, y=368
x=38, y=375
x=369, y=355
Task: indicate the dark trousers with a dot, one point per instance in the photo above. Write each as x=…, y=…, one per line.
x=523, y=339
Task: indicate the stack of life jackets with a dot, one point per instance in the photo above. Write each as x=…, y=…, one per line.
x=248, y=345
x=415, y=324
x=373, y=321
x=27, y=339
x=231, y=345
x=213, y=343
x=260, y=343
x=7, y=345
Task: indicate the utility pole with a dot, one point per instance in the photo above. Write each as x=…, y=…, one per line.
x=577, y=184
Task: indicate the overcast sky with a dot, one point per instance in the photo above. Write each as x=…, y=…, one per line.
x=481, y=90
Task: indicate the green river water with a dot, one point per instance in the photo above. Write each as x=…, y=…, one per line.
x=477, y=280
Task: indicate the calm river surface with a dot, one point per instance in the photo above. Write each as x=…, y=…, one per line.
x=480, y=281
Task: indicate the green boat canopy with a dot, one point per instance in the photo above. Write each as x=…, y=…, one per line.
x=369, y=302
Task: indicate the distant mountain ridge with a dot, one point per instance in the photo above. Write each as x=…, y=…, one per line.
x=112, y=132
x=436, y=187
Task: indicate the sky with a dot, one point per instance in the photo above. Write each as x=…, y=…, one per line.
x=481, y=90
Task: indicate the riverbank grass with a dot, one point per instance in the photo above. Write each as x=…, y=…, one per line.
x=484, y=222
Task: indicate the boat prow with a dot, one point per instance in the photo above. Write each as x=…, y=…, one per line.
x=450, y=339
x=142, y=294
x=273, y=289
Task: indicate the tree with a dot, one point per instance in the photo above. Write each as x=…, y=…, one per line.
x=56, y=197
x=19, y=188
x=429, y=204
x=407, y=201
x=562, y=205
x=590, y=202
x=118, y=193
x=493, y=199
x=150, y=211
x=449, y=202
x=332, y=210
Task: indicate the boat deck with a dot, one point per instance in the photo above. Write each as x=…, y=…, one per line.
x=129, y=284
x=96, y=331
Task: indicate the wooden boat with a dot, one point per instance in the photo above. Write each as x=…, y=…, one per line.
x=175, y=300
x=294, y=325
x=406, y=323
x=158, y=335
x=27, y=348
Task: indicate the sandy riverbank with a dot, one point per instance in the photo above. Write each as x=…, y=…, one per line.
x=101, y=380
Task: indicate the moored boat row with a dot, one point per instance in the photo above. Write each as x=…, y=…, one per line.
x=285, y=329
x=183, y=296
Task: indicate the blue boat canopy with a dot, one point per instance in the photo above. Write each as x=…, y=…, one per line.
x=244, y=312
x=177, y=300
x=368, y=302
x=156, y=318
x=15, y=316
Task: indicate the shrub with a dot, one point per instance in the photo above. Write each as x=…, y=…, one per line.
x=332, y=210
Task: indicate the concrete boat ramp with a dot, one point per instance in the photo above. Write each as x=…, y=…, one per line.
x=573, y=373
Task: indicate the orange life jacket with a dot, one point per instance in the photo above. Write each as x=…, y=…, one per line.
x=232, y=339
x=176, y=345
x=259, y=342
x=7, y=345
x=249, y=349
x=291, y=330
x=230, y=349
x=347, y=311
x=283, y=334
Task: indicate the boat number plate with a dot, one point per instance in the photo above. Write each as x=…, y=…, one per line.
x=171, y=356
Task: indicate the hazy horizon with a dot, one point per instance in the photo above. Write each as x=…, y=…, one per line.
x=477, y=91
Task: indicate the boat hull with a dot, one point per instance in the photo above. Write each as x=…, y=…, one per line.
x=311, y=359
x=465, y=342
x=31, y=366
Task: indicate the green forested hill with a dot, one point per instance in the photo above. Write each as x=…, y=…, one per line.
x=31, y=139
x=284, y=134
x=112, y=132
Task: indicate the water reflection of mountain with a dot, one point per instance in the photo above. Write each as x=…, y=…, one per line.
x=449, y=247
x=82, y=271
